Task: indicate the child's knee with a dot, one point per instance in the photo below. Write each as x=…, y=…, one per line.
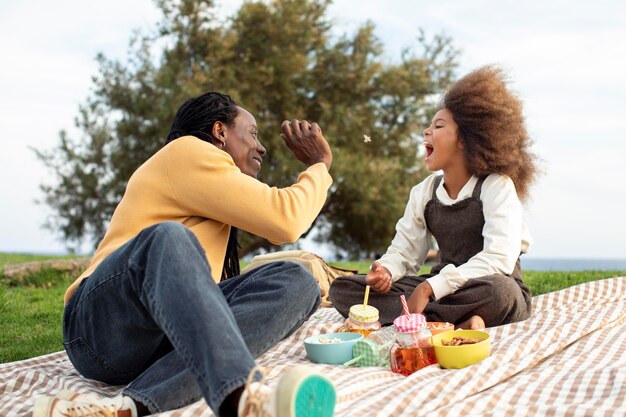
x=503, y=295
x=346, y=291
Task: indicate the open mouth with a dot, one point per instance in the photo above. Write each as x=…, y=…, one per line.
x=258, y=161
x=429, y=149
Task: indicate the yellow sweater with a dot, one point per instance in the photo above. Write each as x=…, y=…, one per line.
x=192, y=182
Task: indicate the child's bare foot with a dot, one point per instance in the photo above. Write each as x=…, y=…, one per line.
x=473, y=323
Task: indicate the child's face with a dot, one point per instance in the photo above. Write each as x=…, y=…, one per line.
x=441, y=140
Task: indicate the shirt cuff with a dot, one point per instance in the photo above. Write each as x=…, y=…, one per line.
x=440, y=286
x=395, y=274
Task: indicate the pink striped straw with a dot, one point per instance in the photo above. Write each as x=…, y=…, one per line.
x=405, y=307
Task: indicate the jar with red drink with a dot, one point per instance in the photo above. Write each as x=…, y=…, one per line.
x=412, y=348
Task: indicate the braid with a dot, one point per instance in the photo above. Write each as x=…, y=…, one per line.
x=196, y=117
x=231, y=261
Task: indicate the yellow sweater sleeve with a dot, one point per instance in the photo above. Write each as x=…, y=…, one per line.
x=205, y=181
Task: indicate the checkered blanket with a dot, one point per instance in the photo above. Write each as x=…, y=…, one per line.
x=567, y=359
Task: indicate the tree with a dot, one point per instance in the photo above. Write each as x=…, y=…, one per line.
x=280, y=61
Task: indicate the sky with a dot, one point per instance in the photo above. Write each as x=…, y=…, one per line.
x=565, y=59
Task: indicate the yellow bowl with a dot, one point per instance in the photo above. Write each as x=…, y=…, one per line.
x=456, y=357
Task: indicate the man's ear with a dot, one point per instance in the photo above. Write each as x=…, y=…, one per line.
x=219, y=133
x=219, y=130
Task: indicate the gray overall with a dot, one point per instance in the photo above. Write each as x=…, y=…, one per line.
x=497, y=299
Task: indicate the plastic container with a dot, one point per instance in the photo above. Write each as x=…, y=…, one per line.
x=366, y=352
x=374, y=349
x=456, y=357
x=331, y=353
x=412, y=348
x=362, y=319
x=437, y=327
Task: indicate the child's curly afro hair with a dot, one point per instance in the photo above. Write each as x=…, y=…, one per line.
x=491, y=127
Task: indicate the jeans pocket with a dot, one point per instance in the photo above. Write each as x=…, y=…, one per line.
x=91, y=365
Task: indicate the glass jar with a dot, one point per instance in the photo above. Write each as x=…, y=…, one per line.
x=362, y=319
x=383, y=336
x=412, y=348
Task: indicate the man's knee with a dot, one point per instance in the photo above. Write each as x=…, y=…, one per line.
x=295, y=280
x=169, y=229
x=172, y=234
x=305, y=281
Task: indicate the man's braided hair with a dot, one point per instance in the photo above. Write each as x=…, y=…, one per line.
x=196, y=117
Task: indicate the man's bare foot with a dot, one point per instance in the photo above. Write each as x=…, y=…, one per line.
x=473, y=323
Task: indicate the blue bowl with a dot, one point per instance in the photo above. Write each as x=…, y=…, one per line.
x=331, y=353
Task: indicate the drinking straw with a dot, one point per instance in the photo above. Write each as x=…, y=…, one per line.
x=367, y=294
x=405, y=307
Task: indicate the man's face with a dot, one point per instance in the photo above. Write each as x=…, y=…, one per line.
x=242, y=144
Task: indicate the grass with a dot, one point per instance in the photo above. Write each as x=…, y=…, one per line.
x=32, y=310
x=542, y=282
x=17, y=258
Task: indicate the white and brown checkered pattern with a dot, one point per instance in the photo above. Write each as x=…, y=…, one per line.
x=567, y=359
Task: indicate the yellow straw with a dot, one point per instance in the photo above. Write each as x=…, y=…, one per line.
x=367, y=294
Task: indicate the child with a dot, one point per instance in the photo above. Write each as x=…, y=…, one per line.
x=473, y=211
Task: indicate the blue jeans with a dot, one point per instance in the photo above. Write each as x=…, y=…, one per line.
x=152, y=317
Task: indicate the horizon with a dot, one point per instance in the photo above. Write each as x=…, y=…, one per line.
x=330, y=259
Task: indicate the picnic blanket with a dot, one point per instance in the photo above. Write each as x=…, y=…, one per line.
x=567, y=359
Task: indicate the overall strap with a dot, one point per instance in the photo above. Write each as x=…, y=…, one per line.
x=478, y=187
x=435, y=185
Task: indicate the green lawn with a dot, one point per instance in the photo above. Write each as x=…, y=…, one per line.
x=31, y=312
x=16, y=258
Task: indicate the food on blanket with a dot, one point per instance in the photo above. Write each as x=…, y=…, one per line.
x=437, y=327
x=325, y=339
x=461, y=348
x=334, y=352
x=362, y=319
x=460, y=340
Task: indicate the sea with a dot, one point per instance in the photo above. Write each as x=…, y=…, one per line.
x=564, y=264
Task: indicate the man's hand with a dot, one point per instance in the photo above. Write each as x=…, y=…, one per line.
x=379, y=278
x=420, y=297
x=307, y=142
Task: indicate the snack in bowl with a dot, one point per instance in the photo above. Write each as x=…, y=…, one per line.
x=453, y=350
x=437, y=327
x=460, y=340
x=326, y=339
x=337, y=351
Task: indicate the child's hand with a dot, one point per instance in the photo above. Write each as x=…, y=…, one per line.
x=419, y=298
x=379, y=278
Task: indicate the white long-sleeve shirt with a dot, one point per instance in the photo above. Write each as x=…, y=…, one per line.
x=505, y=234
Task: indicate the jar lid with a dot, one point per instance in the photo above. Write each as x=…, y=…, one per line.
x=367, y=352
x=363, y=313
x=409, y=324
